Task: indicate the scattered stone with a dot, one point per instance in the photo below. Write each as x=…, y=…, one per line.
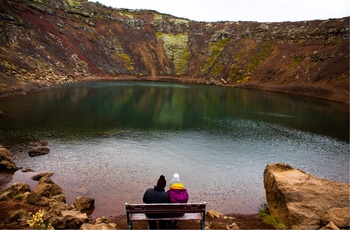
x=232, y=226
x=38, y=151
x=40, y=175
x=101, y=223
x=27, y=170
x=84, y=203
x=223, y=81
x=214, y=214
x=299, y=200
x=211, y=81
x=102, y=226
x=331, y=225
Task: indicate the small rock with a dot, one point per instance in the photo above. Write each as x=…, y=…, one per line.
x=331, y=225
x=102, y=226
x=84, y=203
x=214, y=214
x=232, y=226
x=38, y=151
x=40, y=175
x=27, y=170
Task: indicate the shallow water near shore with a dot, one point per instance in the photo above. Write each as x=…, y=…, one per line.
x=112, y=140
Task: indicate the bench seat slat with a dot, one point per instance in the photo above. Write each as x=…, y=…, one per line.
x=193, y=211
x=187, y=216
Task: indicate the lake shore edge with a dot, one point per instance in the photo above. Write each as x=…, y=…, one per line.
x=322, y=91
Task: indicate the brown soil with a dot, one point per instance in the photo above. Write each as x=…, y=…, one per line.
x=242, y=221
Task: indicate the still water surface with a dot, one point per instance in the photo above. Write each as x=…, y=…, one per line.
x=112, y=140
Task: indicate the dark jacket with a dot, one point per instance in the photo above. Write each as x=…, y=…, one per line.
x=155, y=195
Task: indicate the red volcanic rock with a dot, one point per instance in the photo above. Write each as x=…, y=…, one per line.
x=53, y=42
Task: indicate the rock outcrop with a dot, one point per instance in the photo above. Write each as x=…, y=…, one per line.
x=52, y=42
x=6, y=163
x=20, y=203
x=300, y=200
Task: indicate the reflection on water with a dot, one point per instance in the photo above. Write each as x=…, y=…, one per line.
x=112, y=140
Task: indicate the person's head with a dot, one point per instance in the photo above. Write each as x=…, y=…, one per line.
x=175, y=179
x=161, y=182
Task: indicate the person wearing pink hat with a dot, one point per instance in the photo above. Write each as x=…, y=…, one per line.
x=177, y=194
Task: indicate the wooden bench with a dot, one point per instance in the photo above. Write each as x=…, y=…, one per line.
x=193, y=211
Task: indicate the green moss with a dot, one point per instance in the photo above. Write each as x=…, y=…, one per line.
x=217, y=69
x=296, y=60
x=234, y=72
x=260, y=55
x=176, y=48
x=267, y=218
x=125, y=14
x=128, y=63
x=6, y=64
x=101, y=17
x=244, y=79
x=214, y=51
x=74, y=3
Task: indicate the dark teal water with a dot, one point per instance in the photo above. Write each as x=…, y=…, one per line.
x=112, y=140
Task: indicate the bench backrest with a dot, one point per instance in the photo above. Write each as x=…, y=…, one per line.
x=166, y=208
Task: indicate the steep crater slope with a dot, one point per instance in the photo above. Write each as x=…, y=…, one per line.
x=46, y=42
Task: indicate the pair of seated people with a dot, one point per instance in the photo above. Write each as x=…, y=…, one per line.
x=176, y=194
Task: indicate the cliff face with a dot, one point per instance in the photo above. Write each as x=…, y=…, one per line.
x=45, y=42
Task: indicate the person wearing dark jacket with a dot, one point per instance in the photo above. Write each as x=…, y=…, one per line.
x=157, y=194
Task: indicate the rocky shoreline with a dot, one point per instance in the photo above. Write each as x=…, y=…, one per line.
x=316, y=91
x=297, y=200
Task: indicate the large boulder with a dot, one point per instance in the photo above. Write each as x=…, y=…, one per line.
x=299, y=200
x=46, y=187
x=6, y=163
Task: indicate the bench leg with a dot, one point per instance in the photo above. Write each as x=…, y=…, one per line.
x=128, y=222
x=203, y=222
x=129, y=225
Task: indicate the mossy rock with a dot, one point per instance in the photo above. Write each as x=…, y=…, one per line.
x=177, y=50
